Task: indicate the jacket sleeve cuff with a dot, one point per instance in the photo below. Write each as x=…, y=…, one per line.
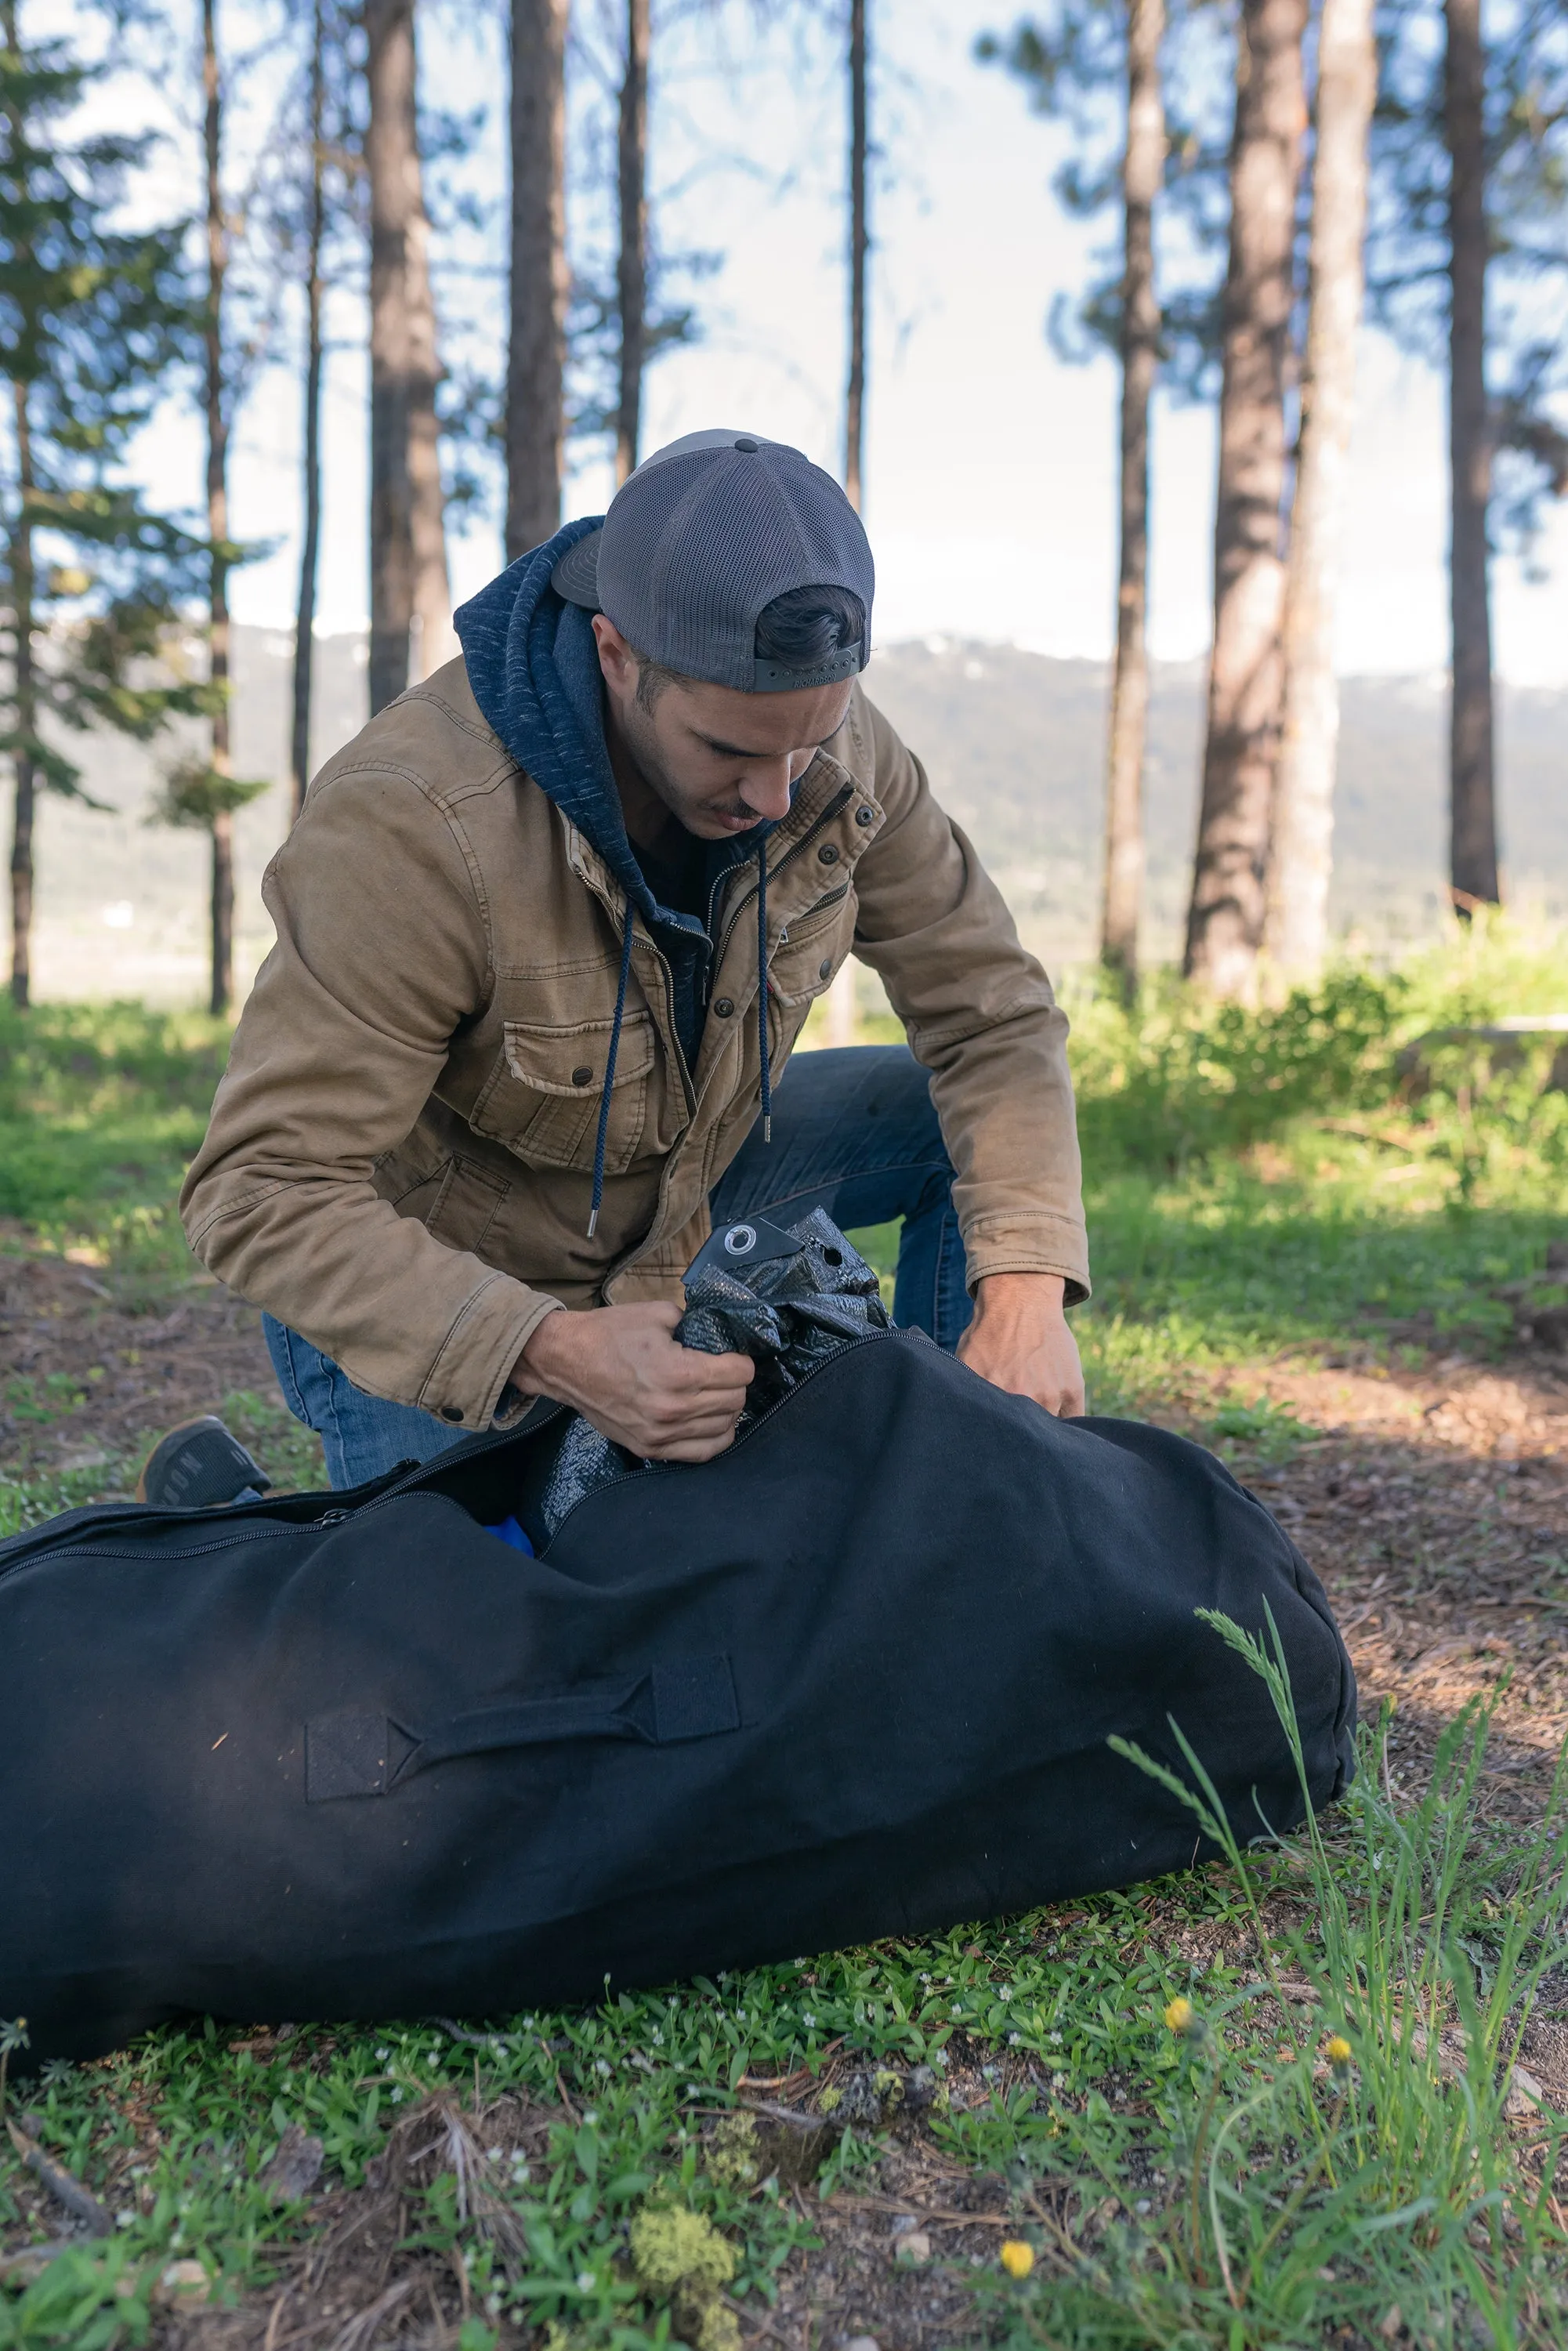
x=469, y=1384
x=1024, y=1244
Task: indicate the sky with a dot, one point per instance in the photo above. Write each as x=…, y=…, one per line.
x=990, y=461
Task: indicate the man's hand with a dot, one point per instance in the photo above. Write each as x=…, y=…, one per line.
x=622, y=1369
x=1020, y=1341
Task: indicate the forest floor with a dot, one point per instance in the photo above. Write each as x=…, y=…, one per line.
x=849, y=2142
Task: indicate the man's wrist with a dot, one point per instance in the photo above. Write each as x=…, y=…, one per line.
x=1030, y=1291
x=542, y=1355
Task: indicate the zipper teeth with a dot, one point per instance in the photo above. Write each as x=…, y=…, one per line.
x=834, y=805
x=191, y=1551
x=760, y=1422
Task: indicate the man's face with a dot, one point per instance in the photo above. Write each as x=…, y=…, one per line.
x=719, y=761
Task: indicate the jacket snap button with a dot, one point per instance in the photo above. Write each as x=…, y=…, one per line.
x=724, y=1008
x=827, y=854
x=864, y=816
x=581, y=1076
x=450, y=1412
x=824, y=968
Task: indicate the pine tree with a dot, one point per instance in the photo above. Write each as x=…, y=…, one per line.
x=409, y=591
x=540, y=281
x=1246, y=676
x=1302, y=828
x=90, y=319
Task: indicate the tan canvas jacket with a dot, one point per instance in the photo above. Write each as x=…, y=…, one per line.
x=400, y=1156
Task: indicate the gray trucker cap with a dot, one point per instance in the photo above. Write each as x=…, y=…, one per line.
x=704, y=534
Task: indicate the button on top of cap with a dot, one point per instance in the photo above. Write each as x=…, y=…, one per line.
x=750, y=447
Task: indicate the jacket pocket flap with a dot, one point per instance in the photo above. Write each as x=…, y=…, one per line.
x=570, y=1062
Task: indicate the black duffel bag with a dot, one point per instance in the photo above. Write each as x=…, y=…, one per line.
x=348, y=1755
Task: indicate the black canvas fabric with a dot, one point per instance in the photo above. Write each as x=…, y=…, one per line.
x=349, y=1756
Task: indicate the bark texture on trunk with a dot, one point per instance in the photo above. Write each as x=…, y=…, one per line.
x=860, y=246
x=632, y=267
x=1472, y=790
x=535, y=357
x=410, y=602
x=1142, y=169
x=1224, y=921
x=310, y=554
x=222, y=888
x=1301, y=835
x=24, y=772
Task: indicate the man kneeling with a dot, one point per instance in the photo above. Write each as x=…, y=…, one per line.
x=548, y=929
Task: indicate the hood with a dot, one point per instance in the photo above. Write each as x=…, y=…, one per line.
x=533, y=665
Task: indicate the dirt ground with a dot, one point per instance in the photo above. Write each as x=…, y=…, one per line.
x=1433, y=1501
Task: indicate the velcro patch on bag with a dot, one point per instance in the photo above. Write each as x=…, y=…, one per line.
x=352, y=1754
x=694, y=1700
x=355, y=1753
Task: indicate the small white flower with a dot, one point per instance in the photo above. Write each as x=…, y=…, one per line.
x=124, y=2219
x=807, y=2018
x=957, y=2009
x=1058, y=2080
x=1012, y=2041
x=1054, y=2036
x=590, y=2115
x=433, y=2058
x=586, y=2281
x=493, y=2154
x=658, y=2036
x=693, y=2090
x=740, y=2016
x=925, y=1977
x=397, y=2097
x=382, y=2056
x=672, y=2002
x=493, y=2304
x=602, y=2065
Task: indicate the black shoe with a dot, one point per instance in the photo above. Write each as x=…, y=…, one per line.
x=199, y=1466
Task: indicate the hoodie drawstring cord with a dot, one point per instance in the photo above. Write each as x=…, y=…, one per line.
x=762, y=991
x=603, y=1135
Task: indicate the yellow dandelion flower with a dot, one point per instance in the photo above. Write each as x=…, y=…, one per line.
x=1179, y=2016
x=1017, y=2258
x=1337, y=2050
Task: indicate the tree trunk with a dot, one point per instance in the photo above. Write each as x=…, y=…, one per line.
x=1301, y=834
x=1224, y=921
x=1142, y=169
x=305, y=615
x=1472, y=793
x=410, y=598
x=217, y=514
x=22, y=588
x=631, y=269
x=535, y=357
x=860, y=244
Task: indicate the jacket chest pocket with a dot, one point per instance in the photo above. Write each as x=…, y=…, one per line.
x=543, y=1099
x=813, y=946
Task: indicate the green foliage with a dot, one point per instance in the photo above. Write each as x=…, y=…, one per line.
x=1180, y=1078
x=194, y=793
x=93, y=318
x=100, y=1108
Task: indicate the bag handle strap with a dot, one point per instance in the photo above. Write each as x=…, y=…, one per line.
x=360, y=1753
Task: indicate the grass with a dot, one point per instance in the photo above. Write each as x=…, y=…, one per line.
x=1300, y=1179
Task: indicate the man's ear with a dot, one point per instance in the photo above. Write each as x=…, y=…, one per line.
x=617, y=662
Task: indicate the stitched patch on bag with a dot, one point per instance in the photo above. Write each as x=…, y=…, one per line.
x=352, y=1755
x=694, y=1700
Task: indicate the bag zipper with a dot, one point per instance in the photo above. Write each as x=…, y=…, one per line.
x=761, y=1421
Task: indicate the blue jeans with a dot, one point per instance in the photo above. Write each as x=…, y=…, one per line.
x=853, y=1132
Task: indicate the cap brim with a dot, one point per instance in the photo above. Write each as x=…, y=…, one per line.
x=576, y=576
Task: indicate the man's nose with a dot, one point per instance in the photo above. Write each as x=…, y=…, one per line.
x=766, y=788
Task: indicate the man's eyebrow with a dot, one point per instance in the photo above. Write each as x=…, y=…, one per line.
x=739, y=751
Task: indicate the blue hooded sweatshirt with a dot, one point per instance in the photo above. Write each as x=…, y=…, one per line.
x=533, y=665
